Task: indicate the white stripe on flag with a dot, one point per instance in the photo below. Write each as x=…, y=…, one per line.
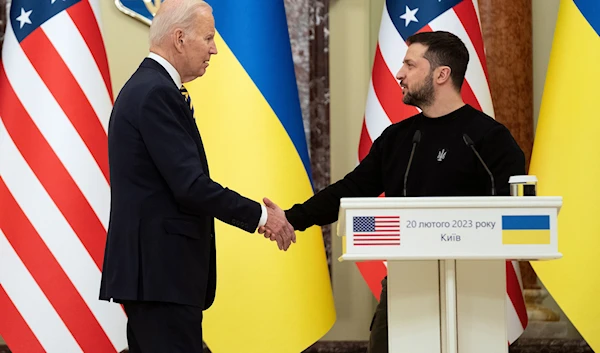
x=376, y=240
x=31, y=302
x=513, y=324
x=70, y=45
x=515, y=265
x=375, y=118
x=475, y=75
x=476, y=5
x=56, y=127
x=96, y=9
x=392, y=46
x=60, y=239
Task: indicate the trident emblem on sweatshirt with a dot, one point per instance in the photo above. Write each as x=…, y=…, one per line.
x=441, y=155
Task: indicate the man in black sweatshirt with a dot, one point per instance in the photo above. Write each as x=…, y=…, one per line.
x=443, y=165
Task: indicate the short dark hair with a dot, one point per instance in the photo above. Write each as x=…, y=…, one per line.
x=444, y=49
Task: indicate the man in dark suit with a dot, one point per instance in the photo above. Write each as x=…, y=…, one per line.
x=160, y=252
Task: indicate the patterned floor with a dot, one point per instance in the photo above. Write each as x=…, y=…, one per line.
x=521, y=346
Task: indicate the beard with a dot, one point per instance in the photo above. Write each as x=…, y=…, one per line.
x=422, y=96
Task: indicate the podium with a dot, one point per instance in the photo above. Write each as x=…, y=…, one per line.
x=446, y=260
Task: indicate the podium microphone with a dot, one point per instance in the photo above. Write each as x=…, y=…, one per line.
x=470, y=143
x=415, y=141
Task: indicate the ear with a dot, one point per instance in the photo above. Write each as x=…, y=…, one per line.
x=442, y=75
x=178, y=39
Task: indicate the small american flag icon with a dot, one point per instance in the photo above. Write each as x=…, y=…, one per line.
x=376, y=230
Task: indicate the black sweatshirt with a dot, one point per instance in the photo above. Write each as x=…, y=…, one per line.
x=443, y=165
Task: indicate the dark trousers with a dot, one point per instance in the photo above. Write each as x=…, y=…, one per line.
x=155, y=327
x=378, y=341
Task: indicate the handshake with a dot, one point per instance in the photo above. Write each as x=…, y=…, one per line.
x=277, y=227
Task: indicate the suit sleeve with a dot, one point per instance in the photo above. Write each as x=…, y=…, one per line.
x=503, y=156
x=176, y=156
x=323, y=208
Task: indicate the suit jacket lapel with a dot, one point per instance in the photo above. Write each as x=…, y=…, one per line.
x=198, y=139
x=190, y=117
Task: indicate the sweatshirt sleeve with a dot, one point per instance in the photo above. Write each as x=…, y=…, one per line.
x=503, y=156
x=323, y=208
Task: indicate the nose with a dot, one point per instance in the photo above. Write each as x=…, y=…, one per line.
x=400, y=75
x=213, y=49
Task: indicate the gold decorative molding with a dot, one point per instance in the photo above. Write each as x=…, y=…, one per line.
x=151, y=5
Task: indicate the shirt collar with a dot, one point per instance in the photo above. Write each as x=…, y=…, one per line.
x=167, y=65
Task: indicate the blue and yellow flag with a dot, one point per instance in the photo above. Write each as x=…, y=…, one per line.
x=526, y=229
x=566, y=162
x=248, y=113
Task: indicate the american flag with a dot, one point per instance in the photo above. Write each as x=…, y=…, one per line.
x=400, y=19
x=376, y=230
x=55, y=102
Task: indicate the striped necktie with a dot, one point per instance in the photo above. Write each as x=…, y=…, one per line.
x=188, y=99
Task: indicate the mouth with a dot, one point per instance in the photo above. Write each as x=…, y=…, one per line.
x=403, y=87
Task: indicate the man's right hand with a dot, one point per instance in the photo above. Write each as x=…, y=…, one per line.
x=277, y=227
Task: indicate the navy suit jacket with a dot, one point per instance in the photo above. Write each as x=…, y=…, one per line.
x=161, y=240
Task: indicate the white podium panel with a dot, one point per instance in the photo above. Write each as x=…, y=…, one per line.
x=481, y=306
x=419, y=301
x=446, y=260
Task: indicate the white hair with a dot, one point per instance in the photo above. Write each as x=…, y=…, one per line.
x=177, y=14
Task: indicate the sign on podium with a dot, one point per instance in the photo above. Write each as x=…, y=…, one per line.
x=446, y=263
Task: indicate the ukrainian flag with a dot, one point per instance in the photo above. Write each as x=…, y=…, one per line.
x=248, y=113
x=566, y=162
x=524, y=230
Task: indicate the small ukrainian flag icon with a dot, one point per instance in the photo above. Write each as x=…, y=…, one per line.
x=526, y=229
